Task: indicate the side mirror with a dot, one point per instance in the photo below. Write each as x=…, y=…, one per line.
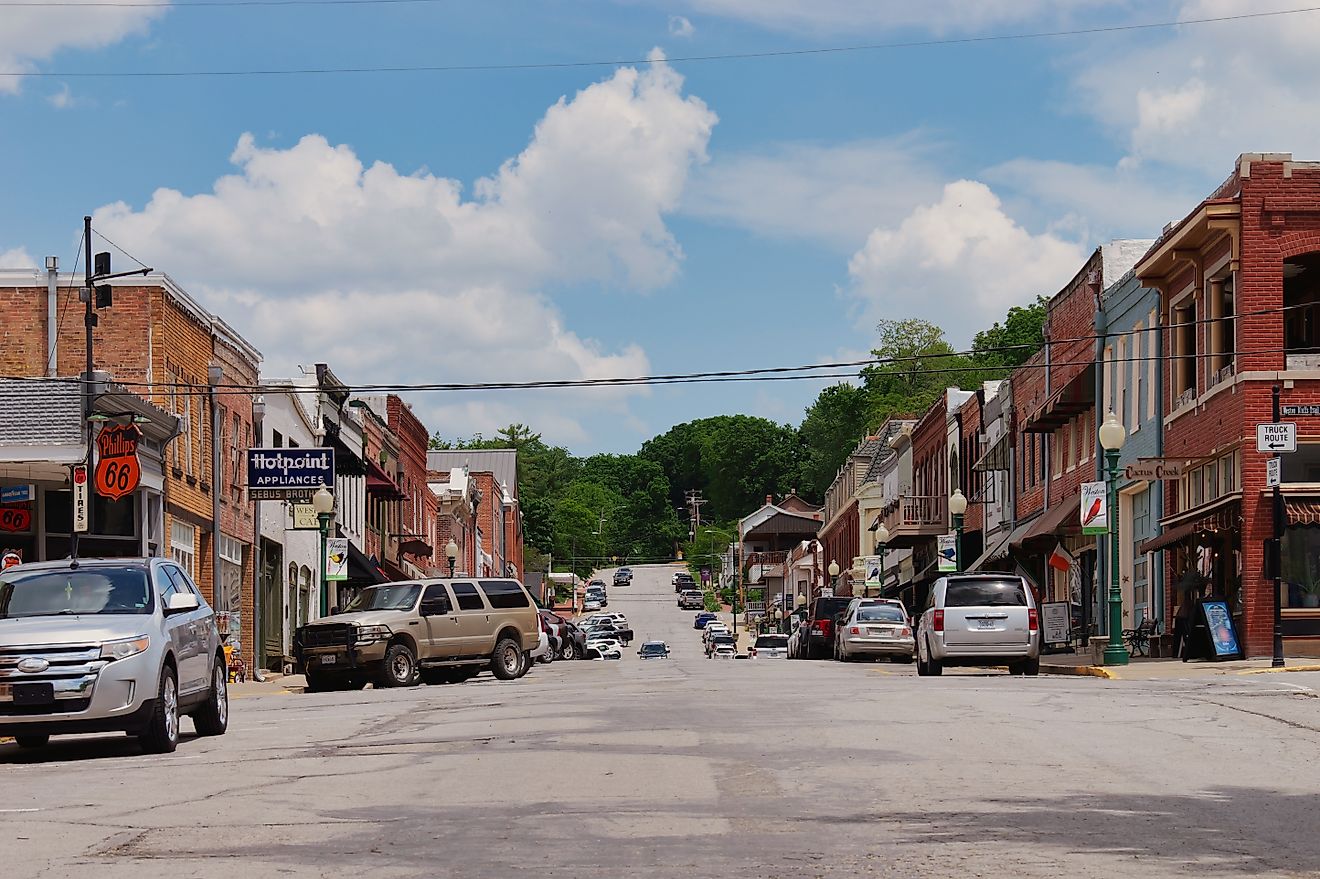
x=334, y=611
x=181, y=602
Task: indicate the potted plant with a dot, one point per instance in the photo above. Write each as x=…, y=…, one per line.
x=1310, y=591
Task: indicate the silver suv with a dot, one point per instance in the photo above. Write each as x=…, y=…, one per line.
x=979, y=619
x=108, y=645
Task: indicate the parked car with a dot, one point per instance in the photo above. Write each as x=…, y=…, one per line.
x=874, y=627
x=691, y=600
x=609, y=627
x=816, y=635
x=597, y=595
x=605, y=650
x=703, y=619
x=654, y=650
x=389, y=633
x=979, y=619
x=569, y=639
x=713, y=628
x=723, y=650
x=769, y=646
x=108, y=645
x=683, y=581
x=591, y=604
x=724, y=639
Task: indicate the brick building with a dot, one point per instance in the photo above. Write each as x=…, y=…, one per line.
x=159, y=343
x=1239, y=283
x=494, y=536
x=413, y=546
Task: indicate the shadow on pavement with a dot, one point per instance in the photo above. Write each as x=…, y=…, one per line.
x=1244, y=831
x=76, y=748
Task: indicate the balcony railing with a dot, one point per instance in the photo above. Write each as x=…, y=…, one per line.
x=921, y=511
x=765, y=564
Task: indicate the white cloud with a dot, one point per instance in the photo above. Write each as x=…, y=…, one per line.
x=62, y=99
x=1198, y=96
x=959, y=262
x=393, y=277
x=32, y=34
x=17, y=258
x=680, y=26
x=940, y=16
x=830, y=194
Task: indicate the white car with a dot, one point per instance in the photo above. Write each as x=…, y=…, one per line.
x=542, y=650
x=591, y=604
x=769, y=646
x=604, y=648
x=724, y=651
x=713, y=629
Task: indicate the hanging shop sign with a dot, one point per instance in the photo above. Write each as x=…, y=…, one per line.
x=118, y=472
x=947, y=551
x=1095, y=508
x=1155, y=468
x=81, y=501
x=304, y=517
x=16, y=519
x=17, y=494
x=336, y=558
x=279, y=474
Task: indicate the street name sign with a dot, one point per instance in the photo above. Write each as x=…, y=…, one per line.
x=1278, y=438
x=1307, y=410
x=1273, y=472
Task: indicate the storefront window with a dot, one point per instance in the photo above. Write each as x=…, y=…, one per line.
x=1140, y=565
x=1301, y=567
x=1303, y=465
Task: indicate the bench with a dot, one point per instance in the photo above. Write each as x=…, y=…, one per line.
x=1138, y=639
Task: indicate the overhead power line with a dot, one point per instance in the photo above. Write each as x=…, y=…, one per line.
x=563, y=65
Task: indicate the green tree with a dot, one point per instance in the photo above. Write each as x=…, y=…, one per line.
x=832, y=426
x=1012, y=342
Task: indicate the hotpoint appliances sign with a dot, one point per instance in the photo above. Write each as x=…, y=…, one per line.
x=289, y=474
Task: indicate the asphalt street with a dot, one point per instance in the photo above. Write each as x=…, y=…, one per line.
x=694, y=768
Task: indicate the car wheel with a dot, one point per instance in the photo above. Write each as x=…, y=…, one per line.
x=400, y=667
x=161, y=735
x=1031, y=667
x=934, y=667
x=568, y=651
x=527, y=663
x=212, y=718
x=922, y=671
x=32, y=741
x=319, y=683
x=506, y=660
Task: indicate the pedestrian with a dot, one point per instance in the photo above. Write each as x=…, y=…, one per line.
x=1189, y=590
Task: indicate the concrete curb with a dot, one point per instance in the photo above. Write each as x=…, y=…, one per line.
x=1090, y=671
x=1272, y=671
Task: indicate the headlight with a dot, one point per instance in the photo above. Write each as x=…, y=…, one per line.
x=372, y=634
x=113, y=650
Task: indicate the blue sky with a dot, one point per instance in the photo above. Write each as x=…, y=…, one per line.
x=621, y=220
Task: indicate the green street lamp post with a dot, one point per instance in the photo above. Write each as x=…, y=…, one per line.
x=323, y=502
x=1112, y=436
x=957, y=508
x=881, y=546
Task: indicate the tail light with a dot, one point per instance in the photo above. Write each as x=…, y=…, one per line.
x=939, y=621
x=1033, y=621
x=822, y=626
x=751, y=651
x=907, y=633
x=854, y=631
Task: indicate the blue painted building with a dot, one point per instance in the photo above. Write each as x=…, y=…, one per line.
x=1130, y=385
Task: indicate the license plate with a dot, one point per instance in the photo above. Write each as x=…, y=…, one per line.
x=33, y=694
x=985, y=624
x=329, y=660
x=884, y=633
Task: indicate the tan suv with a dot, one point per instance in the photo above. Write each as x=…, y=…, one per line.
x=442, y=630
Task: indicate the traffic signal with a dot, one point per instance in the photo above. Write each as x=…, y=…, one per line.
x=105, y=296
x=101, y=264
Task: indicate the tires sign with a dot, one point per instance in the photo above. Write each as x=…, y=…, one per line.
x=118, y=472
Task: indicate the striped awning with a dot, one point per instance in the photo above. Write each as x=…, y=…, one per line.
x=1302, y=512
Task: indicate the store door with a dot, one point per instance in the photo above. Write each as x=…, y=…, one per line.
x=272, y=601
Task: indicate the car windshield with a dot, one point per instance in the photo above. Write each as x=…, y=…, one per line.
x=722, y=639
x=101, y=589
x=875, y=613
x=394, y=597
x=985, y=593
x=772, y=641
x=653, y=648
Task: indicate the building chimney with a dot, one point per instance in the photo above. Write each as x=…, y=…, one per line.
x=769, y=499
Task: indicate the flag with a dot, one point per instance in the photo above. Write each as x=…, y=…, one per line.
x=1060, y=559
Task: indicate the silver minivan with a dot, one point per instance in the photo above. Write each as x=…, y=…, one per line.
x=108, y=645
x=979, y=619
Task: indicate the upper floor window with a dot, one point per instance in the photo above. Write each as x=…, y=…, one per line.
x=1301, y=311
x=1183, y=322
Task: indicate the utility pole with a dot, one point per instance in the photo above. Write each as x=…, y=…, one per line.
x=1276, y=554
x=94, y=295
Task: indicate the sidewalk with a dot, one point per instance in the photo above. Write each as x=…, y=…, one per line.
x=1143, y=669
x=273, y=685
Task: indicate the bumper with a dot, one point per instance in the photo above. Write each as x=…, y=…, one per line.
x=333, y=660
x=980, y=654
x=880, y=646
x=118, y=697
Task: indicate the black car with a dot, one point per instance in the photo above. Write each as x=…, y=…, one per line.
x=683, y=582
x=819, y=640
x=623, y=577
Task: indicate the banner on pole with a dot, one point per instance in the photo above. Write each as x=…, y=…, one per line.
x=1095, y=508
x=336, y=558
x=874, y=573
x=947, y=549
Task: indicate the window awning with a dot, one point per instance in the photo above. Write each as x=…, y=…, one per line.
x=996, y=457
x=380, y=484
x=1168, y=538
x=1068, y=402
x=1223, y=515
x=1000, y=547
x=414, y=544
x=1056, y=521
x=361, y=571
x=1302, y=511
